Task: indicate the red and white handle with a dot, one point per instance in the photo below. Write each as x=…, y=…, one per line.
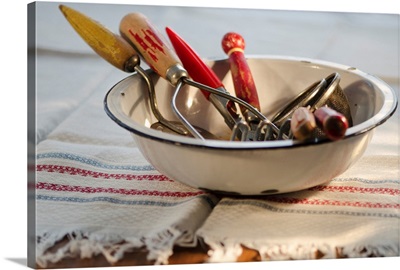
x=149, y=43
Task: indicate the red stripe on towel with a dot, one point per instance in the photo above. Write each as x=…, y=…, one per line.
x=117, y=176
x=350, y=189
x=82, y=189
x=334, y=203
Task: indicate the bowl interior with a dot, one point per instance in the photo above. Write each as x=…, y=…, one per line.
x=277, y=79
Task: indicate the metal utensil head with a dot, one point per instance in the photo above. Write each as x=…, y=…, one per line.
x=326, y=92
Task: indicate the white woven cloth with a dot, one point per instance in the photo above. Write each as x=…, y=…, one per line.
x=356, y=215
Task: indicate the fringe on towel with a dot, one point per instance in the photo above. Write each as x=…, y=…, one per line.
x=113, y=247
x=230, y=252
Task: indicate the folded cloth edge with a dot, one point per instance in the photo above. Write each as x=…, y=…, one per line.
x=229, y=251
x=84, y=244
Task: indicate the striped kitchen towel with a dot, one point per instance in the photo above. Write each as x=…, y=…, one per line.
x=99, y=202
x=356, y=215
x=94, y=187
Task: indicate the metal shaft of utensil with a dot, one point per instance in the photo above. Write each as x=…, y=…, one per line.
x=183, y=120
x=154, y=104
x=302, y=100
x=234, y=99
x=185, y=80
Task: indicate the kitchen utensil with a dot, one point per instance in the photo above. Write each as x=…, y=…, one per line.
x=113, y=48
x=333, y=123
x=147, y=40
x=326, y=92
x=260, y=167
x=200, y=72
x=118, y=52
x=233, y=45
x=302, y=123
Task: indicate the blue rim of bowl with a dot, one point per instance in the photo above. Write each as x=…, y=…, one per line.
x=387, y=110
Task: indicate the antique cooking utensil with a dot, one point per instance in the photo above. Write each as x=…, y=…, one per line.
x=233, y=45
x=333, y=123
x=147, y=40
x=199, y=71
x=323, y=122
x=118, y=52
x=136, y=31
x=302, y=124
x=244, y=86
x=326, y=92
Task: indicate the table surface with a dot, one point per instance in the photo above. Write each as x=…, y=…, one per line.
x=67, y=67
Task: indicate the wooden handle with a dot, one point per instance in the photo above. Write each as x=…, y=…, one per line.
x=192, y=62
x=233, y=45
x=332, y=123
x=302, y=123
x=111, y=47
x=148, y=41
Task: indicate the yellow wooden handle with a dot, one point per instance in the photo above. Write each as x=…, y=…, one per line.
x=149, y=43
x=111, y=47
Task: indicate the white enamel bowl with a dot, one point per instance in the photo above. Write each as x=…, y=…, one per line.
x=251, y=168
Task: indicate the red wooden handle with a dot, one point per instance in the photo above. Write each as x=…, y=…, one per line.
x=192, y=62
x=333, y=123
x=233, y=45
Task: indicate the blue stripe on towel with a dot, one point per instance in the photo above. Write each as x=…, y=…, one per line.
x=271, y=208
x=210, y=201
x=366, y=181
x=94, y=162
